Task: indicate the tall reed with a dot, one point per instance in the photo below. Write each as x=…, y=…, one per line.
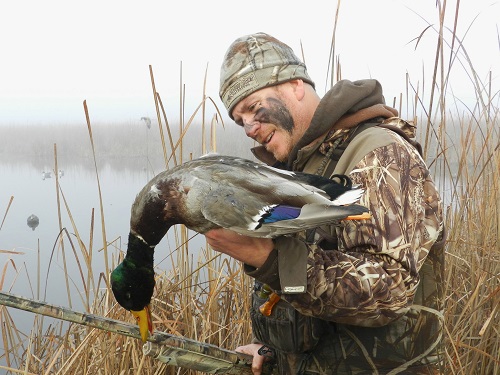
x=462, y=148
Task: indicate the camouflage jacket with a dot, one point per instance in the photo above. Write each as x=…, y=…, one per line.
x=377, y=290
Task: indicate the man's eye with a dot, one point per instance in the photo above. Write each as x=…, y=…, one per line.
x=253, y=107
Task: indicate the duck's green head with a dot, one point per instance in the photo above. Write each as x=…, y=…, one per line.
x=133, y=283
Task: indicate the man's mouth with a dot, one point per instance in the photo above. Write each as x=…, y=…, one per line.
x=268, y=138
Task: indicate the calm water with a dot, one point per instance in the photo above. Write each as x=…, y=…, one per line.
x=35, y=195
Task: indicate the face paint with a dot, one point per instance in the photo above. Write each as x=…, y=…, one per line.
x=277, y=114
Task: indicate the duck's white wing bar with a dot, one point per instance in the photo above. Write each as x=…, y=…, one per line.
x=349, y=197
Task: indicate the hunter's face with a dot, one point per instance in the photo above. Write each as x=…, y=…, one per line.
x=266, y=117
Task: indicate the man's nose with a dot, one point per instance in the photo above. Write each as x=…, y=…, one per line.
x=251, y=128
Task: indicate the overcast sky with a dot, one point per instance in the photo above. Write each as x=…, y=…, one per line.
x=56, y=54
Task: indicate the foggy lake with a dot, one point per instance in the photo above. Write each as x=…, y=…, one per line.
x=127, y=157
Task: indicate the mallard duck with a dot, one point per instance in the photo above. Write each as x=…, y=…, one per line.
x=217, y=191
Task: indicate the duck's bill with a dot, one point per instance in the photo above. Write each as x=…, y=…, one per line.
x=363, y=216
x=144, y=321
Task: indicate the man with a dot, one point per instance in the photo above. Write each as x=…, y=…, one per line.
x=362, y=297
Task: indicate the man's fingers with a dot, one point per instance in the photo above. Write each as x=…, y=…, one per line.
x=258, y=360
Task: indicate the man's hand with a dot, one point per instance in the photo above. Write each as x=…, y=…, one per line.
x=250, y=250
x=258, y=360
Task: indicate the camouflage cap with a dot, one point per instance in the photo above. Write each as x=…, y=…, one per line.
x=255, y=61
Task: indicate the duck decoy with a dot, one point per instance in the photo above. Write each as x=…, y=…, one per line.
x=33, y=221
x=217, y=191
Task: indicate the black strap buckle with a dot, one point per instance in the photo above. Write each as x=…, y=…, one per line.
x=266, y=351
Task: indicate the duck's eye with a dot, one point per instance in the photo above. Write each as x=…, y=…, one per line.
x=128, y=295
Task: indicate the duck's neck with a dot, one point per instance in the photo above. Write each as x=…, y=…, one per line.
x=139, y=251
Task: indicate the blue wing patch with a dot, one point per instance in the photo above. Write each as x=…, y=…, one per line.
x=280, y=212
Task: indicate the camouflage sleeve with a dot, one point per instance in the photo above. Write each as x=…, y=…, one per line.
x=372, y=278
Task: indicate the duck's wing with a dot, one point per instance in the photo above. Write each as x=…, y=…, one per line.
x=272, y=214
x=311, y=216
x=256, y=219
x=262, y=179
x=235, y=209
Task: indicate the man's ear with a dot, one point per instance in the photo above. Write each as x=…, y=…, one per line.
x=298, y=87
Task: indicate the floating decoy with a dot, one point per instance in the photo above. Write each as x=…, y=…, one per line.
x=147, y=121
x=33, y=221
x=217, y=191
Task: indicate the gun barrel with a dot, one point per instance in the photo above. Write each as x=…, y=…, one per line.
x=174, y=350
